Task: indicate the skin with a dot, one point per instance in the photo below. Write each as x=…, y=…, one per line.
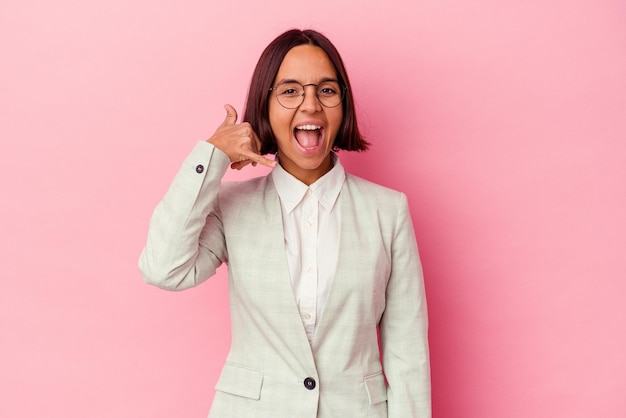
x=239, y=142
x=306, y=64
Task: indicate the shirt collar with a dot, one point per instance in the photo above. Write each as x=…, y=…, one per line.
x=326, y=189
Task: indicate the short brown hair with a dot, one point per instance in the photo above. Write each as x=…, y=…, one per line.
x=257, y=108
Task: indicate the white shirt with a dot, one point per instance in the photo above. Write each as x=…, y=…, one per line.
x=311, y=223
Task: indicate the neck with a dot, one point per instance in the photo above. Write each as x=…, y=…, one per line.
x=308, y=176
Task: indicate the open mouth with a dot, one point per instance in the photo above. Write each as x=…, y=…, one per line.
x=309, y=137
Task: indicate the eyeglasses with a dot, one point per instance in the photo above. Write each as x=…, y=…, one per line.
x=290, y=94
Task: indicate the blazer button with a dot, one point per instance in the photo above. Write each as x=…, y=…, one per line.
x=199, y=168
x=309, y=383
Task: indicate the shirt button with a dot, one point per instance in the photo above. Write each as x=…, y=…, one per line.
x=199, y=169
x=306, y=317
x=309, y=383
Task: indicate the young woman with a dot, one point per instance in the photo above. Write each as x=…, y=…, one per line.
x=321, y=263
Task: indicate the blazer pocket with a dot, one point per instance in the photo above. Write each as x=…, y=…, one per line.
x=376, y=388
x=240, y=381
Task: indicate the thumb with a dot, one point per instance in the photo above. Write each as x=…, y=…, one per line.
x=231, y=115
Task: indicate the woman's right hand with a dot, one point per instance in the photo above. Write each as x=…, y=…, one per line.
x=239, y=142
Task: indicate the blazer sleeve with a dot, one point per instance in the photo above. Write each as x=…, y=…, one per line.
x=404, y=326
x=185, y=243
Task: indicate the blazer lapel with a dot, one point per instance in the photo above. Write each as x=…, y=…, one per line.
x=357, y=293
x=348, y=253
x=284, y=291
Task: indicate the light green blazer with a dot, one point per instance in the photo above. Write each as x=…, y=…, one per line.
x=272, y=371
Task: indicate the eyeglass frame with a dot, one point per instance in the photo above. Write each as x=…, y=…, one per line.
x=344, y=90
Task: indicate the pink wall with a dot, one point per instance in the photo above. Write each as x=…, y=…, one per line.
x=504, y=122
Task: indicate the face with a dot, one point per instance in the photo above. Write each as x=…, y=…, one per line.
x=305, y=135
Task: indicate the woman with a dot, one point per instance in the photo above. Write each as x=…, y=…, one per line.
x=320, y=262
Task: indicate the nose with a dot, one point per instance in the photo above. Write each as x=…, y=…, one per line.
x=310, y=103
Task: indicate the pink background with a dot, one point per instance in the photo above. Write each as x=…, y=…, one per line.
x=504, y=122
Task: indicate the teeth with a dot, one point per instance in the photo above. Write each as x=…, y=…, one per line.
x=309, y=127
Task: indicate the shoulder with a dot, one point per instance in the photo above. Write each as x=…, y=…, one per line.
x=373, y=204
x=244, y=189
x=373, y=193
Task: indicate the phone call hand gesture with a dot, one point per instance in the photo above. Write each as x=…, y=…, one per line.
x=239, y=142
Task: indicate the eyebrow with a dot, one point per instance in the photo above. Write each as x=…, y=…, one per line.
x=292, y=80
